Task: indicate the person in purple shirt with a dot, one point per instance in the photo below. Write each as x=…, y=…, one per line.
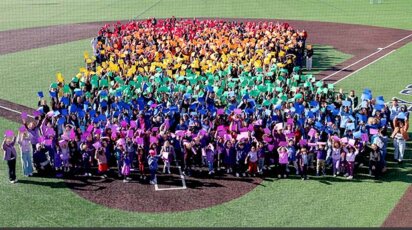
x=10, y=156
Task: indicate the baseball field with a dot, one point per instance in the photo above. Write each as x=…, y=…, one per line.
x=356, y=44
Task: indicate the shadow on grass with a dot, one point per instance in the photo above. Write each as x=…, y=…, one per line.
x=326, y=58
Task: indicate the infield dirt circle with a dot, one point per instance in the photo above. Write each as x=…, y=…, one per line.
x=366, y=43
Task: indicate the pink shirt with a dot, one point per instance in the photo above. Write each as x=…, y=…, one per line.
x=283, y=157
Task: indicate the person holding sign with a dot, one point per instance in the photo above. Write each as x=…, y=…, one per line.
x=10, y=154
x=166, y=152
x=24, y=140
x=400, y=136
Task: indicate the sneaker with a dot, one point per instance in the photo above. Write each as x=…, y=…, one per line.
x=334, y=175
x=237, y=174
x=279, y=176
x=349, y=177
x=152, y=182
x=125, y=181
x=227, y=171
x=86, y=174
x=243, y=174
x=303, y=178
x=89, y=174
x=346, y=175
x=13, y=181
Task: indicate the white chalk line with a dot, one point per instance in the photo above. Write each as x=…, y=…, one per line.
x=363, y=67
x=173, y=188
x=14, y=111
x=379, y=50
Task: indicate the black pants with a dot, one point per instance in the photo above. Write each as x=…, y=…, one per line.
x=12, y=169
x=304, y=171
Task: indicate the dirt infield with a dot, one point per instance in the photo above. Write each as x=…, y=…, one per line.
x=401, y=215
x=138, y=195
x=365, y=43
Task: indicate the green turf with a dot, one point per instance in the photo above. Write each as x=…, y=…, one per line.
x=23, y=14
x=325, y=57
x=386, y=77
x=31, y=71
x=44, y=202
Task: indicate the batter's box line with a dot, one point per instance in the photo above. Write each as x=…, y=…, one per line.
x=173, y=188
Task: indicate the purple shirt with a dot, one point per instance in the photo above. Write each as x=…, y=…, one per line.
x=9, y=151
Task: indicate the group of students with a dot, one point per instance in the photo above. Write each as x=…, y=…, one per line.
x=215, y=96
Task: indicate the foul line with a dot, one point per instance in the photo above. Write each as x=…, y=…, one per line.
x=173, y=188
x=379, y=50
x=14, y=111
x=363, y=67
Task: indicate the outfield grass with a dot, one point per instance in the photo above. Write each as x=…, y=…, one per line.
x=47, y=202
x=34, y=70
x=386, y=77
x=33, y=13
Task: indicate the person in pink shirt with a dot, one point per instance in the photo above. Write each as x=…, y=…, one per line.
x=351, y=153
x=283, y=162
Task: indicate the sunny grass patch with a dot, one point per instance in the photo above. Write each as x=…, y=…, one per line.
x=25, y=73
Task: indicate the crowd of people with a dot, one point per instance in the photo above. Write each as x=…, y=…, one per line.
x=219, y=96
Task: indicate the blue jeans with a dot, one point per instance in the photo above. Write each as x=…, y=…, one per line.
x=210, y=165
x=152, y=174
x=27, y=163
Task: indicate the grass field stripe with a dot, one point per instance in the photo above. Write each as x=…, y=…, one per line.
x=363, y=67
x=379, y=50
x=14, y=111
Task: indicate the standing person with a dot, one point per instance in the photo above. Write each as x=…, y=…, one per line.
x=320, y=159
x=166, y=152
x=374, y=161
x=131, y=150
x=101, y=158
x=152, y=160
x=283, y=162
x=10, y=155
x=86, y=159
x=400, y=136
x=303, y=162
x=140, y=159
x=353, y=99
x=251, y=160
x=24, y=141
x=241, y=153
x=336, y=156
x=309, y=55
x=351, y=154
x=126, y=168
x=394, y=110
x=210, y=157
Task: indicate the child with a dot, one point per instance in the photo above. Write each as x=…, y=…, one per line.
x=10, y=155
x=166, y=153
x=101, y=158
x=303, y=162
x=210, y=157
x=320, y=159
x=119, y=152
x=374, y=161
x=229, y=157
x=336, y=156
x=65, y=155
x=126, y=168
x=86, y=159
x=26, y=156
x=292, y=156
x=140, y=159
x=152, y=162
x=252, y=159
x=351, y=153
x=283, y=162
x=261, y=157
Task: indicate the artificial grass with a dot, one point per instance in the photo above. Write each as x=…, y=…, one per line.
x=24, y=14
x=386, y=77
x=38, y=68
x=318, y=202
x=27, y=72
